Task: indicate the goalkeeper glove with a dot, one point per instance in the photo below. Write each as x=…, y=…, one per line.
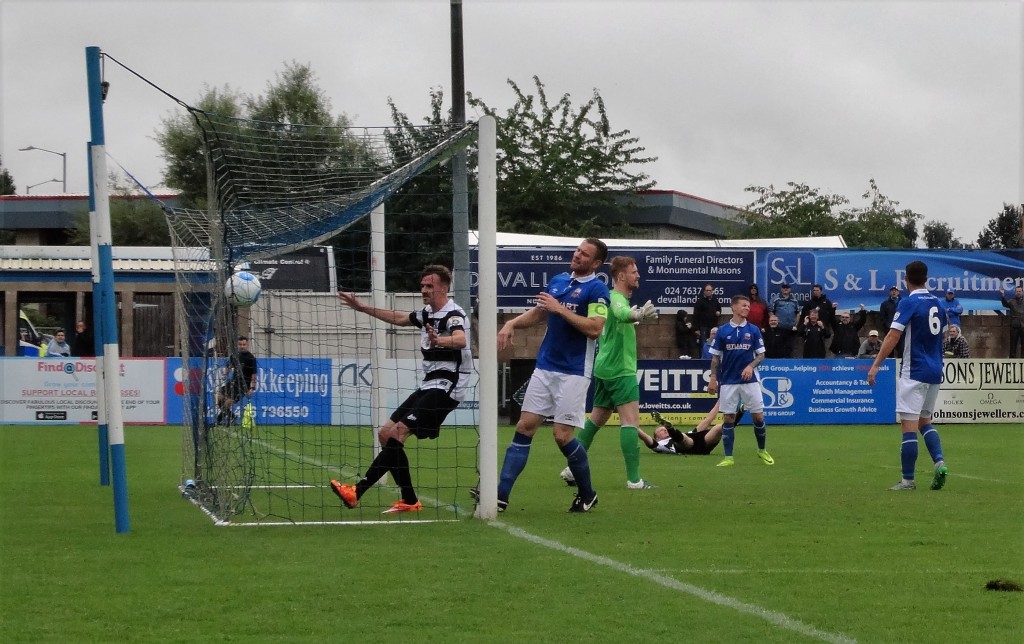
x=645, y=312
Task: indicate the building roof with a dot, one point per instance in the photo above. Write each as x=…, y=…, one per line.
x=79, y=258
x=18, y=212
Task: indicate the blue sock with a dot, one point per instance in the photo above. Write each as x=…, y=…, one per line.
x=932, y=442
x=760, y=432
x=579, y=465
x=908, y=454
x=515, y=460
x=728, y=436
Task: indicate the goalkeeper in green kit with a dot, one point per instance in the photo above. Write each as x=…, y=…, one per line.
x=615, y=383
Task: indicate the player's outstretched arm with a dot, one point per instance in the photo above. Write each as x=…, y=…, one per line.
x=507, y=334
x=398, y=318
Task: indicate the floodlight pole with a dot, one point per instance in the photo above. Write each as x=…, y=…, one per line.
x=460, y=191
x=28, y=189
x=64, y=166
x=100, y=205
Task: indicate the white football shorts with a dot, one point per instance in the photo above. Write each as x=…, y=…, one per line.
x=915, y=399
x=556, y=395
x=748, y=393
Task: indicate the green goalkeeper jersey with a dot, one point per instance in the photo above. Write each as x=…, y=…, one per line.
x=616, y=349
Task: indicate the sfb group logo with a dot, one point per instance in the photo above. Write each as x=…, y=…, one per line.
x=778, y=392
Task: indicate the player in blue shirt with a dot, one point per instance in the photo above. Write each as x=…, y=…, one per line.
x=575, y=306
x=921, y=320
x=738, y=349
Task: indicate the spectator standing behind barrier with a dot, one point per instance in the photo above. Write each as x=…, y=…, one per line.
x=955, y=344
x=1016, y=306
x=706, y=313
x=845, y=338
x=886, y=311
x=814, y=332
x=952, y=307
x=758, y=315
x=826, y=308
x=787, y=309
x=58, y=347
x=869, y=348
x=684, y=335
x=778, y=340
x=83, y=344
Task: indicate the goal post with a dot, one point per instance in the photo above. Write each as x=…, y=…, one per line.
x=328, y=376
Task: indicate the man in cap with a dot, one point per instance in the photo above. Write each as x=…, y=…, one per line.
x=786, y=308
x=952, y=308
x=869, y=348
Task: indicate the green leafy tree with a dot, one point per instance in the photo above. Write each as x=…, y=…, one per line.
x=181, y=140
x=801, y=211
x=940, y=235
x=562, y=168
x=6, y=188
x=795, y=211
x=135, y=220
x=882, y=224
x=1003, y=231
x=424, y=205
x=6, y=181
x=293, y=99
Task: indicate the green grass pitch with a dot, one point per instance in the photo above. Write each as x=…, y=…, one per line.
x=813, y=548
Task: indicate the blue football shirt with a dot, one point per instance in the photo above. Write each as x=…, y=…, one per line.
x=736, y=347
x=564, y=349
x=922, y=321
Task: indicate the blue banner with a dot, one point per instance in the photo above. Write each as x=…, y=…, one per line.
x=854, y=276
x=288, y=390
x=671, y=278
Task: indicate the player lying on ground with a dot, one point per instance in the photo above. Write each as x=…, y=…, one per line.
x=699, y=441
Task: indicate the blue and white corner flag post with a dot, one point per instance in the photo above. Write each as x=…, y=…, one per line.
x=110, y=375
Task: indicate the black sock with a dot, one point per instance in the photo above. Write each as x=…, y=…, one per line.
x=381, y=465
x=400, y=471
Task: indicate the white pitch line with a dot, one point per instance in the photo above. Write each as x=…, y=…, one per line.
x=344, y=471
x=958, y=475
x=772, y=617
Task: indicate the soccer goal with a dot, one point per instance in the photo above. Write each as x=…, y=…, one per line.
x=378, y=203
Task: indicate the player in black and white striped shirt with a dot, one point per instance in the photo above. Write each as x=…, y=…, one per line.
x=447, y=366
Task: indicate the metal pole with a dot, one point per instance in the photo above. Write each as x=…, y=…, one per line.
x=461, y=276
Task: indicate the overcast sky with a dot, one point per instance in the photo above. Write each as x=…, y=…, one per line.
x=925, y=97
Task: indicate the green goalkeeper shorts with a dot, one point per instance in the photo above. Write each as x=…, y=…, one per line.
x=613, y=392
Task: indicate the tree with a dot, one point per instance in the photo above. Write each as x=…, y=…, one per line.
x=6, y=181
x=135, y=219
x=424, y=205
x=181, y=140
x=799, y=211
x=293, y=98
x=802, y=211
x=6, y=188
x=562, y=169
x=1003, y=231
x=880, y=225
x=940, y=235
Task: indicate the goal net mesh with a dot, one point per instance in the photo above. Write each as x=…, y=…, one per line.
x=289, y=203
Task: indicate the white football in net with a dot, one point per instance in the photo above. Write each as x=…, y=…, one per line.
x=242, y=289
